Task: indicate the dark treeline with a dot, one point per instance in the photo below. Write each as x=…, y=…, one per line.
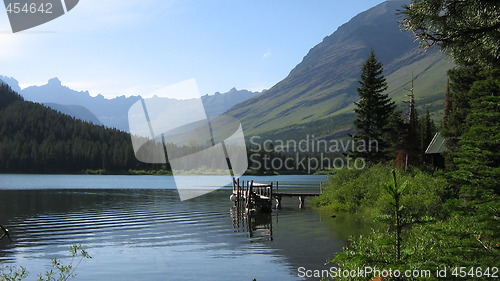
x=36, y=139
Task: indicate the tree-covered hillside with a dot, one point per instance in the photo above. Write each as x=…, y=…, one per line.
x=35, y=138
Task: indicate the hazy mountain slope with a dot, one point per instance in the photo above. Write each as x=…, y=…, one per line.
x=318, y=94
x=13, y=83
x=77, y=111
x=218, y=103
x=112, y=113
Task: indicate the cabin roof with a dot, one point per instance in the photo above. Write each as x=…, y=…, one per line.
x=437, y=145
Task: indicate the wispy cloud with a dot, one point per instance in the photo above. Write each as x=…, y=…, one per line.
x=267, y=54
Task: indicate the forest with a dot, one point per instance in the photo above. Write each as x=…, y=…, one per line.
x=37, y=139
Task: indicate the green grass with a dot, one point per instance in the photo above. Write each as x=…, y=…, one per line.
x=298, y=109
x=429, y=230
x=361, y=191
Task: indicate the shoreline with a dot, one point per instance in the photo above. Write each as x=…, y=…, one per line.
x=102, y=172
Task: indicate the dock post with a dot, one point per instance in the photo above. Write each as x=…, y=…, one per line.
x=302, y=201
x=249, y=203
x=278, y=202
x=271, y=192
x=238, y=191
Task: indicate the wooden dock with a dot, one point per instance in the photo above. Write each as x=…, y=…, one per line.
x=258, y=197
x=301, y=196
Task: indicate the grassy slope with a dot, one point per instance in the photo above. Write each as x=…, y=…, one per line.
x=334, y=117
x=318, y=95
x=429, y=85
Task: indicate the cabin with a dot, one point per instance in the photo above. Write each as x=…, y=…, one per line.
x=436, y=148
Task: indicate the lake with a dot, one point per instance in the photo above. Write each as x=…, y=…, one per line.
x=136, y=228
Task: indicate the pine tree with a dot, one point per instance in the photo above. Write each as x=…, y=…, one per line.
x=458, y=100
x=479, y=149
x=458, y=106
x=410, y=134
x=477, y=171
x=426, y=131
x=467, y=30
x=374, y=110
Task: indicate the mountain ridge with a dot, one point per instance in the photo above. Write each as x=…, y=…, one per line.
x=323, y=85
x=113, y=112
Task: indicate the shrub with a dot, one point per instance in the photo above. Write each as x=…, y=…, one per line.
x=361, y=191
x=60, y=271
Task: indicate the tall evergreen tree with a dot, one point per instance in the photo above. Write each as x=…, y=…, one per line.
x=477, y=172
x=479, y=148
x=410, y=134
x=458, y=105
x=426, y=131
x=374, y=110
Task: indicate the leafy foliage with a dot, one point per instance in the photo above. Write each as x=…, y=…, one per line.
x=445, y=244
x=65, y=272
x=395, y=217
x=467, y=30
x=386, y=250
x=360, y=191
x=416, y=241
x=10, y=273
x=62, y=272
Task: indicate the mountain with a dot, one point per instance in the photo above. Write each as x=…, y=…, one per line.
x=112, y=113
x=13, y=83
x=217, y=104
x=318, y=94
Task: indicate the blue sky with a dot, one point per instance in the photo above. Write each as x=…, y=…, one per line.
x=117, y=47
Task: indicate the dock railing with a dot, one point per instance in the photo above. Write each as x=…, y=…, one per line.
x=259, y=196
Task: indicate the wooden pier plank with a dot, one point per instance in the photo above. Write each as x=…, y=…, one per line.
x=259, y=195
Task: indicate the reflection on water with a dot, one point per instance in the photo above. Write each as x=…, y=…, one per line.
x=259, y=226
x=137, y=229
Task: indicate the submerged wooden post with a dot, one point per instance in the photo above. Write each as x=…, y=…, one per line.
x=249, y=204
x=245, y=190
x=238, y=191
x=302, y=201
x=278, y=201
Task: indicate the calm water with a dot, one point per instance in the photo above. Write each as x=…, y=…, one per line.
x=136, y=228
